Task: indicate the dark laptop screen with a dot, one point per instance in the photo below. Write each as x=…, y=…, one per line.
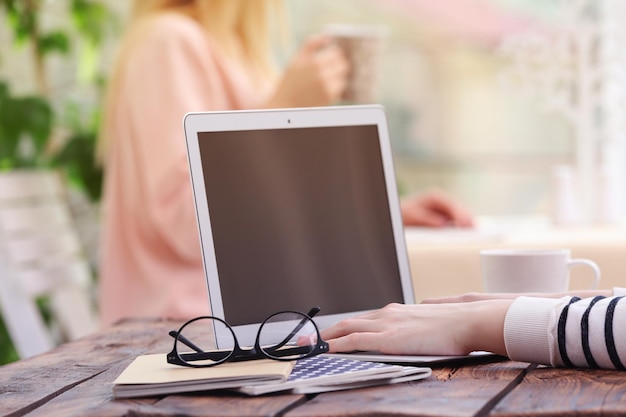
x=300, y=218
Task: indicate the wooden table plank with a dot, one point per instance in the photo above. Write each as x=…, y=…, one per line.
x=27, y=384
x=94, y=398
x=76, y=379
x=463, y=391
x=217, y=405
x=90, y=398
x=551, y=392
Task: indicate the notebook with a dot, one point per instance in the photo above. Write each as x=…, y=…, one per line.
x=297, y=208
x=150, y=375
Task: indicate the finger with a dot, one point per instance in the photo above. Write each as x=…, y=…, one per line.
x=354, y=342
x=440, y=205
x=338, y=330
x=433, y=219
x=316, y=43
x=435, y=209
x=461, y=217
x=438, y=300
x=363, y=323
x=418, y=216
x=463, y=298
x=330, y=53
x=447, y=207
x=306, y=340
x=332, y=63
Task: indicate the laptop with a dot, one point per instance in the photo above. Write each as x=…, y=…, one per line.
x=297, y=208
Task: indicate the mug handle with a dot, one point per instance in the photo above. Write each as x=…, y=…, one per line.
x=590, y=264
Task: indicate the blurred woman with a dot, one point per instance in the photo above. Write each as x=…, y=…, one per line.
x=180, y=56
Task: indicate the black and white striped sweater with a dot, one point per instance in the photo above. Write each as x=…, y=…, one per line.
x=569, y=331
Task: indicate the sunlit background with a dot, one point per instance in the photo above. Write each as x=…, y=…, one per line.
x=453, y=125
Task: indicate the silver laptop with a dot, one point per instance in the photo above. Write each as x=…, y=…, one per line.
x=298, y=208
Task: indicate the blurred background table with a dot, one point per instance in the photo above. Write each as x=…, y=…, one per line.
x=447, y=262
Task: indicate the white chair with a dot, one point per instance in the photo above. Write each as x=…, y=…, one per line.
x=41, y=256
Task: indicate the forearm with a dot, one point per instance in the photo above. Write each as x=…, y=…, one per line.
x=484, y=330
x=481, y=296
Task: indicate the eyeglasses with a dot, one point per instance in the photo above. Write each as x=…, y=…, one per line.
x=297, y=334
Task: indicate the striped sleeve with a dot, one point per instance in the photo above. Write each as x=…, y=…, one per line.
x=570, y=332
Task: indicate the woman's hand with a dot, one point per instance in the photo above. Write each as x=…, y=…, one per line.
x=441, y=329
x=435, y=209
x=482, y=296
x=316, y=76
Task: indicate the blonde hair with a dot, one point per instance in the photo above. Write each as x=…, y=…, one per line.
x=248, y=22
x=243, y=28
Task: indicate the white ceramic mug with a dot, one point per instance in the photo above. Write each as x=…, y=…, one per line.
x=362, y=46
x=530, y=270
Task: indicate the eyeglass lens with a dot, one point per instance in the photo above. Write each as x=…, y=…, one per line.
x=287, y=336
x=196, y=345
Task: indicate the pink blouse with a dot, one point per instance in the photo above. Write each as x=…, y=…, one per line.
x=151, y=262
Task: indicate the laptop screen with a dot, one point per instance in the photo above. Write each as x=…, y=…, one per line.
x=300, y=218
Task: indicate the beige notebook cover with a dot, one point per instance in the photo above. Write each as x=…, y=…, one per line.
x=150, y=375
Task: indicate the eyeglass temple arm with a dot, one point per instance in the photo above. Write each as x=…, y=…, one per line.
x=312, y=313
x=186, y=341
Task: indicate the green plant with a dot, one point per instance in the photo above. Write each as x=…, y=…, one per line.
x=7, y=351
x=39, y=130
x=23, y=117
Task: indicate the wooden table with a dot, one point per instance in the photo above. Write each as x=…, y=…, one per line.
x=75, y=380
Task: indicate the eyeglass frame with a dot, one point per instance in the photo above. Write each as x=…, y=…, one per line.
x=238, y=354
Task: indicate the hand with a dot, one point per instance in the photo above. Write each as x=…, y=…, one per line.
x=435, y=209
x=316, y=76
x=418, y=329
x=481, y=296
